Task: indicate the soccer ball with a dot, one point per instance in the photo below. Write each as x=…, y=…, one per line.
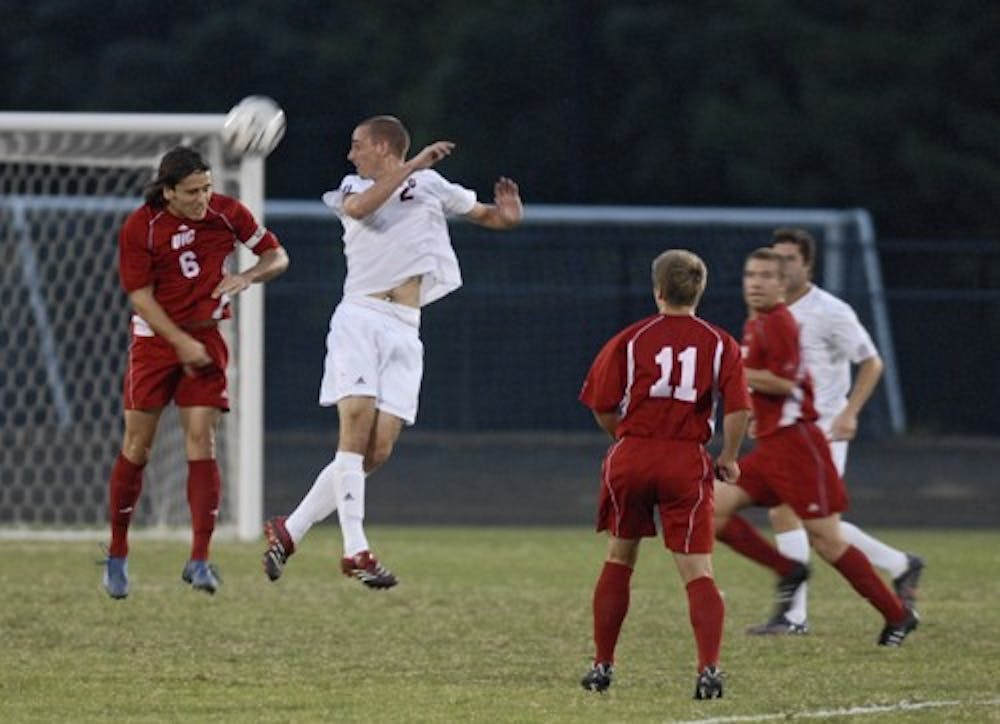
x=254, y=126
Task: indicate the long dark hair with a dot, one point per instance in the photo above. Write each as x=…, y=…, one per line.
x=177, y=164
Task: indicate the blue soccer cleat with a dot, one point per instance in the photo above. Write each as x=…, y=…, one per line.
x=202, y=576
x=116, y=577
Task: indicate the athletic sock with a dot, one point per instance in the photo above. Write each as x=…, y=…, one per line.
x=794, y=544
x=349, y=484
x=319, y=503
x=743, y=538
x=707, y=612
x=891, y=560
x=859, y=572
x=611, y=599
x=204, y=487
x=124, y=488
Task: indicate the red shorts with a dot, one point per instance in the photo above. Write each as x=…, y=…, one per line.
x=641, y=474
x=794, y=466
x=154, y=375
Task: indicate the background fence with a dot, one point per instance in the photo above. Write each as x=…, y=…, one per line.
x=510, y=349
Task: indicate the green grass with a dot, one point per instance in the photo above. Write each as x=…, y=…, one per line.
x=487, y=625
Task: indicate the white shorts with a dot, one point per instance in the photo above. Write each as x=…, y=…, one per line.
x=373, y=349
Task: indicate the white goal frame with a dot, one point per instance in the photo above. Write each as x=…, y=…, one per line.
x=245, y=458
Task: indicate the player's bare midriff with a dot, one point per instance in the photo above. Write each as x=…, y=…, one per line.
x=407, y=293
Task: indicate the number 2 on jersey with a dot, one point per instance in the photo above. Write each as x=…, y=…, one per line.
x=685, y=391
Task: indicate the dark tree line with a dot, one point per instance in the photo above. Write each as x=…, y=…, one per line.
x=894, y=106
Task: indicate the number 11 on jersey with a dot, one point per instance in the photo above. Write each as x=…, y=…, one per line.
x=685, y=391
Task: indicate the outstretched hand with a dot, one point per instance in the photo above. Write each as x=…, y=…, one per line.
x=507, y=199
x=431, y=154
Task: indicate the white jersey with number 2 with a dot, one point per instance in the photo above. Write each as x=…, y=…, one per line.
x=832, y=339
x=405, y=237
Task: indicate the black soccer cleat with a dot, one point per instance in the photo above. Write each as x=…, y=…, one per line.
x=366, y=568
x=787, y=587
x=599, y=677
x=709, y=684
x=280, y=547
x=893, y=634
x=777, y=626
x=906, y=584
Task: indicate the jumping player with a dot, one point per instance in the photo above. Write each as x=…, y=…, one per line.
x=399, y=259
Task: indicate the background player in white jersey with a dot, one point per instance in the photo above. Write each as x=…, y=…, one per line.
x=399, y=259
x=832, y=339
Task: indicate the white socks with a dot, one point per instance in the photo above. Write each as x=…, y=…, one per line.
x=320, y=501
x=349, y=484
x=794, y=544
x=341, y=484
x=891, y=560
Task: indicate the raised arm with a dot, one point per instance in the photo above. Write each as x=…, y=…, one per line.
x=362, y=204
x=270, y=264
x=506, y=210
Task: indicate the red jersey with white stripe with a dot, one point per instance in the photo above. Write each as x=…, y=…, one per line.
x=771, y=342
x=183, y=259
x=664, y=375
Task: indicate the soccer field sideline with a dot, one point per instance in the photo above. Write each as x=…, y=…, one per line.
x=488, y=624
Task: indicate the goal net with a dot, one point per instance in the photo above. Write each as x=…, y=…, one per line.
x=67, y=182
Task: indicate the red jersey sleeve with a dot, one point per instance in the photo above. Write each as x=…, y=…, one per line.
x=135, y=252
x=247, y=230
x=605, y=383
x=773, y=343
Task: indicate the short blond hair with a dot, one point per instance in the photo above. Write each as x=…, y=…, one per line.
x=389, y=129
x=679, y=277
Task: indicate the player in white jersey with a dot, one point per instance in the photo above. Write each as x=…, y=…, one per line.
x=399, y=259
x=832, y=339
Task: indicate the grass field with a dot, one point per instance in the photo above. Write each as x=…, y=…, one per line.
x=487, y=625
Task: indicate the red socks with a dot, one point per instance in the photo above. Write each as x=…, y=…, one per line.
x=123, y=493
x=611, y=598
x=203, y=492
x=707, y=611
x=855, y=567
x=743, y=538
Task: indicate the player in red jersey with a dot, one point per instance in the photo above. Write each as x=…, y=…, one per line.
x=654, y=388
x=172, y=256
x=791, y=461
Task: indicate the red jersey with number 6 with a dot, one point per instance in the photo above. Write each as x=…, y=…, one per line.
x=771, y=342
x=183, y=259
x=664, y=375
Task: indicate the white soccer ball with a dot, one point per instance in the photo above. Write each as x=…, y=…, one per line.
x=254, y=126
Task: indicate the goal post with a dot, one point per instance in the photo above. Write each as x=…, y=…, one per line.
x=67, y=182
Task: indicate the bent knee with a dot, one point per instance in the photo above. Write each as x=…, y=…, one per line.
x=783, y=519
x=377, y=455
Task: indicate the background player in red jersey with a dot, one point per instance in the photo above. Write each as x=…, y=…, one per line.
x=791, y=461
x=172, y=256
x=654, y=388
